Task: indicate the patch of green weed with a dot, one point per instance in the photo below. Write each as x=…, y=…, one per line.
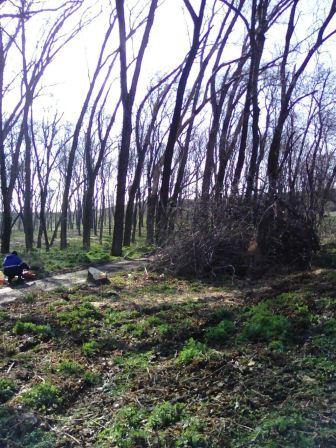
x=192, y=351
x=39, y=438
x=263, y=325
x=277, y=430
x=134, y=361
x=220, y=332
x=81, y=319
x=130, y=366
x=21, y=328
x=113, y=317
x=161, y=288
x=126, y=430
x=276, y=346
x=92, y=378
x=165, y=414
x=91, y=348
x=43, y=396
x=223, y=314
x=68, y=367
x=321, y=366
x=7, y=389
x=192, y=435
x=136, y=329
x=4, y=316
x=30, y=297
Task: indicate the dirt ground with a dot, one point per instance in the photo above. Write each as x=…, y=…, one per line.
x=151, y=361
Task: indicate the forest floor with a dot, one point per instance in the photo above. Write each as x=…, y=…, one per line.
x=153, y=361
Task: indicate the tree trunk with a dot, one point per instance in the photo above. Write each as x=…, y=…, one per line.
x=87, y=216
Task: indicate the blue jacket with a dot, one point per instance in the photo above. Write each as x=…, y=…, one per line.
x=12, y=260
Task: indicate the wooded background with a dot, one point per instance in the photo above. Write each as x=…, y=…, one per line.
x=236, y=141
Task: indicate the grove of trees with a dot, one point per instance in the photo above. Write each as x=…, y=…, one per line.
x=235, y=144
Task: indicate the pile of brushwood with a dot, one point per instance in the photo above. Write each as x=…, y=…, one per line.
x=235, y=239
x=287, y=236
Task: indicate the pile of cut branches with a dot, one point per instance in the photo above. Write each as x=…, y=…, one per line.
x=213, y=243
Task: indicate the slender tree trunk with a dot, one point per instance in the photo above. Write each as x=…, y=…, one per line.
x=128, y=97
x=6, y=225
x=121, y=181
x=162, y=215
x=88, y=213
x=27, y=209
x=130, y=204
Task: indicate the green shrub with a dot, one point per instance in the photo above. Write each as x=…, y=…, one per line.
x=90, y=348
x=43, y=396
x=21, y=328
x=165, y=414
x=192, y=351
x=265, y=326
x=7, y=389
x=220, y=332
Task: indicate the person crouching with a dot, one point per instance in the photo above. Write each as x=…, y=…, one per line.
x=14, y=266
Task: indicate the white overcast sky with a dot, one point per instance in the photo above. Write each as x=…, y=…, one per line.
x=66, y=79
x=68, y=74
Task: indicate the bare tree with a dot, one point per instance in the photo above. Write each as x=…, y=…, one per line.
x=127, y=98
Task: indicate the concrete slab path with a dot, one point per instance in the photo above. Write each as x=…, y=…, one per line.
x=67, y=280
